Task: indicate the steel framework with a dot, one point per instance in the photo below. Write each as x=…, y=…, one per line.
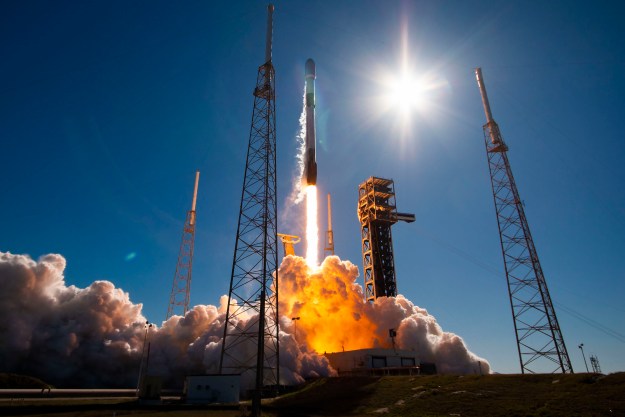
x=181, y=287
x=250, y=344
x=540, y=343
x=377, y=212
x=594, y=362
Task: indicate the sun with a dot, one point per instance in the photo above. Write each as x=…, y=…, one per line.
x=404, y=93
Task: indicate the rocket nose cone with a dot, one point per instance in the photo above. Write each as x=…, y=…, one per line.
x=310, y=68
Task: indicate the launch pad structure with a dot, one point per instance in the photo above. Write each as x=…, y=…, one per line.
x=377, y=212
x=539, y=339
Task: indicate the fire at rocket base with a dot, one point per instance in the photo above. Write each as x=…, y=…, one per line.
x=310, y=159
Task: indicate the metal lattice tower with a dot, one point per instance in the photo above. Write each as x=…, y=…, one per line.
x=250, y=343
x=181, y=288
x=377, y=213
x=594, y=362
x=539, y=339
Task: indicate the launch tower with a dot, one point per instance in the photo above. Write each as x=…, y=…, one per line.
x=539, y=339
x=377, y=213
x=250, y=342
x=181, y=288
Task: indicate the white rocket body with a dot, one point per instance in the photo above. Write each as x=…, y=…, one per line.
x=310, y=158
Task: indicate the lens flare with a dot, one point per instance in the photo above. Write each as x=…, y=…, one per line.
x=312, y=230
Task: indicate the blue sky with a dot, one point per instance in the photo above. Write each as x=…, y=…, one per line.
x=108, y=108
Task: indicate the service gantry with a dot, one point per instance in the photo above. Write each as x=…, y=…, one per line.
x=539, y=339
x=377, y=212
x=181, y=288
x=250, y=344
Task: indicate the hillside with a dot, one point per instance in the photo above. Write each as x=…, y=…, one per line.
x=437, y=395
x=8, y=381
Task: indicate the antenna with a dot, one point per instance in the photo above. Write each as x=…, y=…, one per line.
x=269, y=38
x=329, y=249
x=181, y=288
x=539, y=340
x=252, y=312
x=197, y=180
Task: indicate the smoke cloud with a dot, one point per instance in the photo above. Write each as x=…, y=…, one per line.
x=94, y=336
x=335, y=317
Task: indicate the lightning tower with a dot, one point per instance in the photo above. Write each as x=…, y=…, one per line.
x=329, y=249
x=377, y=213
x=539, y=340
x=181, y=288
x=594, y=362
x=250, y=342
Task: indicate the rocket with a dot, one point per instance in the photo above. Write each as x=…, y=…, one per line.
x=310, y=160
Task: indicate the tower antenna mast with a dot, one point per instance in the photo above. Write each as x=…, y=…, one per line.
x=250, y=344
x=181, y=288
x=539, y=340
x=329, y=249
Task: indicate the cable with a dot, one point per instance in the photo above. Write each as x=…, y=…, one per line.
x=494, y=272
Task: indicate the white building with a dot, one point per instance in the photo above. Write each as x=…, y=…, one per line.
x=375, y=362
x=206, y=389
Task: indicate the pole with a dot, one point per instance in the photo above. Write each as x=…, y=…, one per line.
x=192, y=213
x=581, y=347
x=294, y=320
x=145, y=336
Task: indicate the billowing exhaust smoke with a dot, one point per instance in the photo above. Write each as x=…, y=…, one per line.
x=333, y=317
x=93, y=337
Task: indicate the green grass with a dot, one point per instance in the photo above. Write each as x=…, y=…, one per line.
x=491, y=395
x=420, y=396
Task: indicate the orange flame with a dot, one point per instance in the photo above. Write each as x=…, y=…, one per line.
x=330, y=304
x=333, y=316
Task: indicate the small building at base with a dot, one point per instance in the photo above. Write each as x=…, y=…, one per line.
x=207, y=389
x=375, y=362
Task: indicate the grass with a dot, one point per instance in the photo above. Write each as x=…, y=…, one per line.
x=419, y=396
x=490, y=395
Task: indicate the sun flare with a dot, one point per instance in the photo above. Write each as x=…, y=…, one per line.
x=404, y=93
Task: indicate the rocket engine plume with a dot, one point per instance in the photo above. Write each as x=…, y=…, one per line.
x=93, y=337
x=334, y=317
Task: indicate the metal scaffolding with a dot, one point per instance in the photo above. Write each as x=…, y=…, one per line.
x=250, y=343
x=377, y=213
x=539, y=339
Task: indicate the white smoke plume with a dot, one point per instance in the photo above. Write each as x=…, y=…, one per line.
x=93, y=337
x=335, y=317
x=297, y=193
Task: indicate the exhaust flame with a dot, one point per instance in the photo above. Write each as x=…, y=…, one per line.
x=312, y=230
x=334, y=317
